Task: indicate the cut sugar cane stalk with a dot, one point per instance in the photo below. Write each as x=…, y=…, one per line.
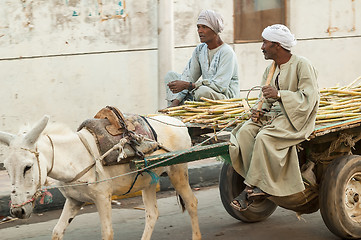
x=268, y=81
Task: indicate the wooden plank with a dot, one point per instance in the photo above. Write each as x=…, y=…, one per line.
x=177, y=157
x=352, y=123
x=338, y=124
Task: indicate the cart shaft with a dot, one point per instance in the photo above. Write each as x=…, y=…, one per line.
x=183, y=156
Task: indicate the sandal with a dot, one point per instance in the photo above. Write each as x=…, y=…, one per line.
x=257, y=193
x=243, y=202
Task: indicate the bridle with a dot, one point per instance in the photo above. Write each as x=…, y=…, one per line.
x=39, y=192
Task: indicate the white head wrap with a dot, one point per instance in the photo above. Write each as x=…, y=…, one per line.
x=281, y=34
x=212, y=20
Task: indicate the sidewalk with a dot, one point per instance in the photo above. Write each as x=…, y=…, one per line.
x=201, y=173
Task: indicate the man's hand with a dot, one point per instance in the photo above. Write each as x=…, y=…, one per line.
x=178, y=86
x=269, y=92
x=256, y=115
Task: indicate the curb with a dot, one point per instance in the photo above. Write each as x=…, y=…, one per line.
x=199, y=176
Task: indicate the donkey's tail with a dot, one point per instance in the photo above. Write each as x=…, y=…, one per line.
x=181, y=202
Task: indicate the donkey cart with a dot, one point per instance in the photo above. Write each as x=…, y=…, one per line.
x=330, y=163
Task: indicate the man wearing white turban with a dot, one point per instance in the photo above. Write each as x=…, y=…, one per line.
x=213, y=60
x=281, y=34
x=263, y=149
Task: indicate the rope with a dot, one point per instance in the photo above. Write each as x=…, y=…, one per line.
x=154, y=176
x=131, y=187
x=170, y=124
x=35, y=196
x=249, y=91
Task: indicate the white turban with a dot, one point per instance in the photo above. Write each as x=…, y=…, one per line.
x=281, y=34
x=212, y=20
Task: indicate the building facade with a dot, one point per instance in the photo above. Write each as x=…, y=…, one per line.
x=70, y=58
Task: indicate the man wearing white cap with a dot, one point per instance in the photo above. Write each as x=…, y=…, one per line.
x=263, y=149
x=213, y=60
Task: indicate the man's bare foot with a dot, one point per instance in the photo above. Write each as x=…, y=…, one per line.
x=174, y=103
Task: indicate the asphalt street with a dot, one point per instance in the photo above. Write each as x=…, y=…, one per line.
x=215, y=222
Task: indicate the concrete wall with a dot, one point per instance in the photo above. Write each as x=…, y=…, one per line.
x=70, y=58
x=328, y=33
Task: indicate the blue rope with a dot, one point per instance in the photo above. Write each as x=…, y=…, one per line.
x=131, y=187
x=155, y=177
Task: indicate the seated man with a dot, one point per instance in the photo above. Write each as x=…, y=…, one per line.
x=263, y=150
x=214, y=60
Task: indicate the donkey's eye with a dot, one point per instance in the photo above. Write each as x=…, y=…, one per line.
x=27, y=168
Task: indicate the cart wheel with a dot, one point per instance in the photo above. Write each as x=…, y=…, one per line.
x=230, y=186
x=340, y=197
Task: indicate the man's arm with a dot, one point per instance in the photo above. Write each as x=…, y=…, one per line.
x=179, y=85
x=190, y=74
x=220, y=81
x=302, y=103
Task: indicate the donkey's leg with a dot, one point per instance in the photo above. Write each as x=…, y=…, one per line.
x=178, y=175
x=151, y=210
x=71, y=208
x=103, y=203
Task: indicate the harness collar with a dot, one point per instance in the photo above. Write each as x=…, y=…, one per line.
x=52, y=161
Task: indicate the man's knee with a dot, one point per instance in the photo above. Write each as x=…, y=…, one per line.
x=171, y=76
x=248, y=129
x=202, y=91
x=207, y=92
x=263, y=137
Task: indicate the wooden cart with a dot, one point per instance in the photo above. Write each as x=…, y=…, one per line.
x=335, y=153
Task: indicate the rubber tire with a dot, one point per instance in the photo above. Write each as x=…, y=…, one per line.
x=332, y=205
x=230, y=186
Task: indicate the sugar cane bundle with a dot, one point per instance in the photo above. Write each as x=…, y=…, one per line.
x=213, y=113
x=336, y=104
x=340, y=103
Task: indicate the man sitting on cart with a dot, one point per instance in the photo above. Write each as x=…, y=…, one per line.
x=263, y=149
x=213, y=60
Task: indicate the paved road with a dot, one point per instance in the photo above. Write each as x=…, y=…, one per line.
x=215, y=223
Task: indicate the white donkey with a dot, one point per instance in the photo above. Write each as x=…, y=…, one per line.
x=58, y=153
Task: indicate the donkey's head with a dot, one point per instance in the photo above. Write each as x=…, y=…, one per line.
x=22, y=165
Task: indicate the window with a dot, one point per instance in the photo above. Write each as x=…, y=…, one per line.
x=252, y=16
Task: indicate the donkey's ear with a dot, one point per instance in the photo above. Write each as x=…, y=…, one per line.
x=32, y=136
x=6, y=138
